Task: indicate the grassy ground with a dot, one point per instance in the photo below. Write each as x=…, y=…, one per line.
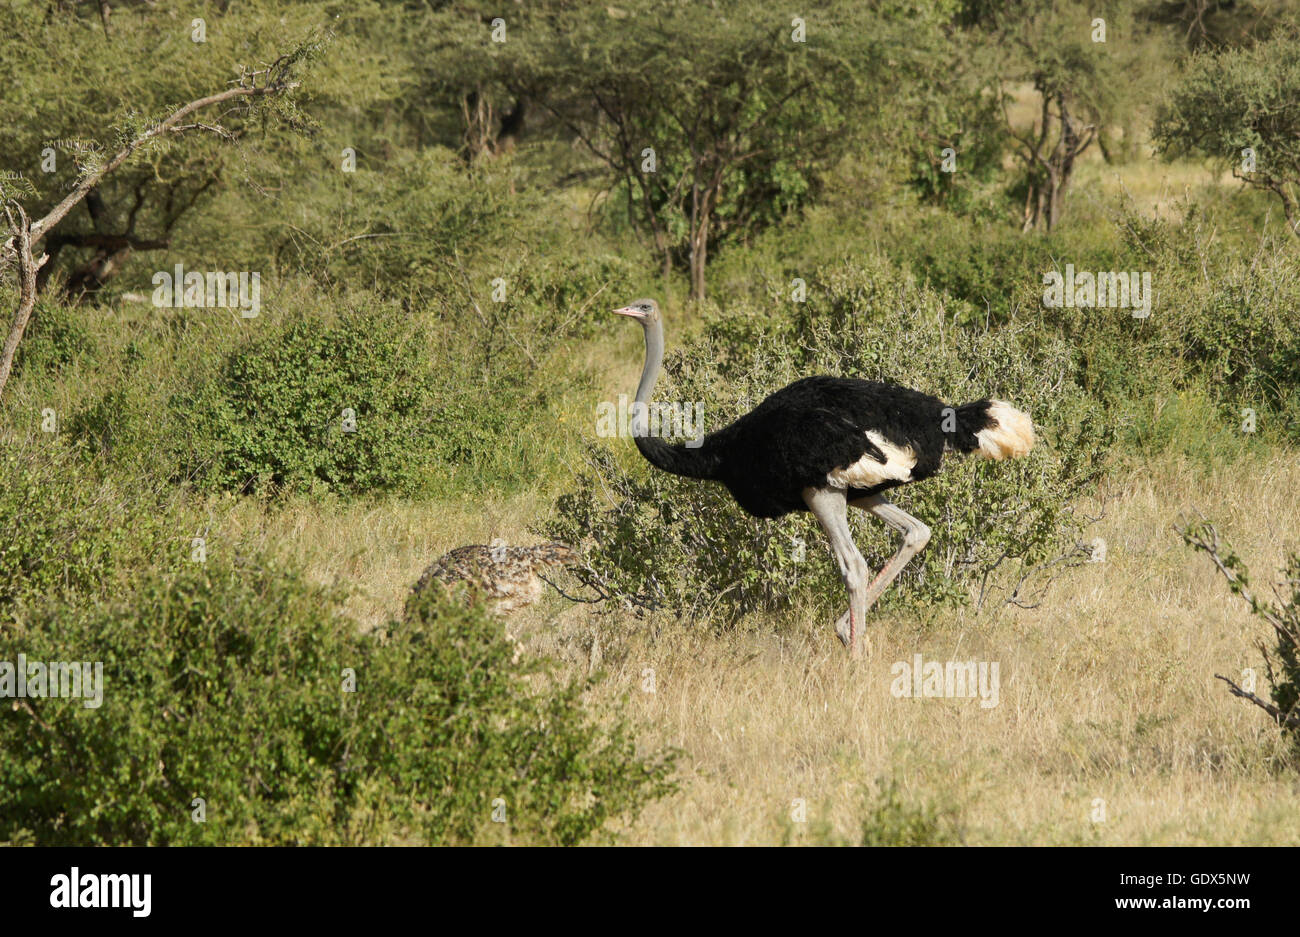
x=1107, y=689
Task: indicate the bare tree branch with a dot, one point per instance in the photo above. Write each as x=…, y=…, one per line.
x=27, y=267
x=92, y=179
x=24, y=235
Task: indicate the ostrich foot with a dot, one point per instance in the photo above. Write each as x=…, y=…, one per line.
x=842, y=629
x=842, y=632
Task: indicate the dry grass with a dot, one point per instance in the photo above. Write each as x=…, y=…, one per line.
x=1106, y=690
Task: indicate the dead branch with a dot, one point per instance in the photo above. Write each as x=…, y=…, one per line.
x=1281, y=718
x=1204, y=537
x=27, y=267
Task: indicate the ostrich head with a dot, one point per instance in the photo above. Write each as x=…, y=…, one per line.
x=556, y=554
x=645, y=311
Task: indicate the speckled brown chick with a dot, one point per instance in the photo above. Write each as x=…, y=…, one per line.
x=506, y=576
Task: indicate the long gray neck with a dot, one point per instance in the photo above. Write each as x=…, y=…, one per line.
x=699, y=462
x=654, y=359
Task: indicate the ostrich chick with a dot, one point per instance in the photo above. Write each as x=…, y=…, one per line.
x=506, y=576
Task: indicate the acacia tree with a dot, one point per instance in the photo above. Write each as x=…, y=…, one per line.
x=25, y=234
x=1215, y=24
x=710, y=121
x=1077, y=63
x=30, y=246
x=1242, y=106
x=474, y=67
x=58, y=135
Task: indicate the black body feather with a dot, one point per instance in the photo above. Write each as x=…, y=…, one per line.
x=799, y=434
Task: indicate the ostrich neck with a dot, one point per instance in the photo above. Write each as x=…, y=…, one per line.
x=654, y=359
x=696, y=462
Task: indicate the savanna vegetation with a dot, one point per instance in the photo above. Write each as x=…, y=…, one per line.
x=299, y=295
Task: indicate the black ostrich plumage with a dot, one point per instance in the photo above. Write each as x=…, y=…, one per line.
x=804, y=431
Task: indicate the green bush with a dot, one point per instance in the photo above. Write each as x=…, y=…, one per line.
x=662, y=541
x=995, y=268
x=55, y=338
x=67, y=530
x=888, y=818
x=227, y=683
x=1216, y=326
x=273, y=418
x=891, y=820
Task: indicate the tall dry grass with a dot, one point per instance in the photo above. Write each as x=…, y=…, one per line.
x=1107, y=694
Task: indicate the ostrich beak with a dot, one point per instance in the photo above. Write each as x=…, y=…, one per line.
x=630, y=312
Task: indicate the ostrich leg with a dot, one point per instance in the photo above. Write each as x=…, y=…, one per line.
x=830, y=508
x=916, y=535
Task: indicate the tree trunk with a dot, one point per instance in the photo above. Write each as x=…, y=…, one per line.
x=1290, y=209
x=699, y=254
x=1053, y=198
x=27, y=266
x=699, y=257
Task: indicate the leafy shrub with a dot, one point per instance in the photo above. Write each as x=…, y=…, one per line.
x=442, y=390
x=54, y=339
x=227, y=684
x=997, y=269
x=662, y=541
x=891, y=820
x=273, y=418
x=410, y=218
x=1216, y=325
x=68, y=531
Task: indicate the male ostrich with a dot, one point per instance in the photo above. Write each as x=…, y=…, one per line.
x=824, y=443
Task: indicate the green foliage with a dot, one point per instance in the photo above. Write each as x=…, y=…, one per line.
x=276, y=416
x=889, y=818
x=970, y=127
x=482, y=164
x=892, y=820
x=69, y=532
x=54, y=339
x=1215, y=24
x=1217, y=328
x=227, y=684
x=413, y=223
x=683, y=544
x=998, y=270
x=1242, y=99
x=713, y=123
x=66, y=122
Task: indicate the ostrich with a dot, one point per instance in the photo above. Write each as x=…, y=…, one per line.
x=824, y=443
x=508, y=576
